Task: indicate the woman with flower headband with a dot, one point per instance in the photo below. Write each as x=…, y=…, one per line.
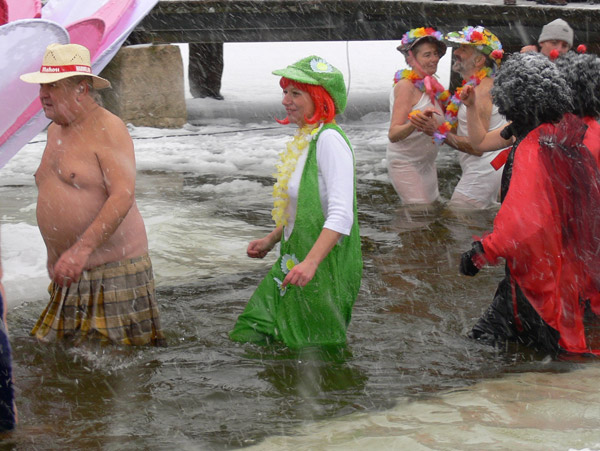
x=410, y=153
x=306, y=299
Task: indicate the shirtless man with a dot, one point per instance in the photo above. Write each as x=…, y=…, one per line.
x=479, y=184
x=102, y=282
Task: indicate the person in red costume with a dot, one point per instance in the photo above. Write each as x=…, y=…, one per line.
x=582, y=74
x=548, y=227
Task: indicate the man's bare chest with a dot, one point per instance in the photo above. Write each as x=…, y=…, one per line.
x=72, y=163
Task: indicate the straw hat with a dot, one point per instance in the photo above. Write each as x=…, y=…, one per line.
x=64, y=61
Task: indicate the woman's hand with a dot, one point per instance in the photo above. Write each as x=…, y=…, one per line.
x=301, y=274
x=260, y=248
x=467, y=96
x=304, y=271
x=424, y=121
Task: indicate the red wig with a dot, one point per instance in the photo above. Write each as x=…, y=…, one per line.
x=324, y=106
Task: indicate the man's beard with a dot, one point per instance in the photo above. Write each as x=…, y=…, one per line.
x=463, y=67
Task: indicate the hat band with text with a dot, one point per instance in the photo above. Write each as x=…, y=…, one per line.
x=71, y=68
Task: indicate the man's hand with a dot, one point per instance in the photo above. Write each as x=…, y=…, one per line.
x=472, y=261
x=467, y=96
x=70, y=265
x=529, y=48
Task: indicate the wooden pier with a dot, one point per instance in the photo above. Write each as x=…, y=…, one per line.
x=207, y=23
x=174, y=21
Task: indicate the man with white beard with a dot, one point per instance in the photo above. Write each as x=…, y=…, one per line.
x=477, y=57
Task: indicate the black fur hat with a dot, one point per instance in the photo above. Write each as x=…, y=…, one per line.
x=529, y=90
x=582, y=72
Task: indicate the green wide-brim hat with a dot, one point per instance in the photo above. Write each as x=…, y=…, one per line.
x=314, y=70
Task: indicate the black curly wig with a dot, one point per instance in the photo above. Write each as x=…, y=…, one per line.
x=529, y=90
x=582, y=72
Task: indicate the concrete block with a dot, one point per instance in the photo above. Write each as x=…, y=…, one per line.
x=147, y=86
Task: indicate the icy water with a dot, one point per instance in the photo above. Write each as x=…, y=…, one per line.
x=408, y=379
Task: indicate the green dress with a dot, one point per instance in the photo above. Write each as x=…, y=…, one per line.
x=317, y=314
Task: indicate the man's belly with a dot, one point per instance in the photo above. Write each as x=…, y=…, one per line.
x=63, y=214
x=63, y=217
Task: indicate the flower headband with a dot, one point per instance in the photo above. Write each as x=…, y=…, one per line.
x=411, y=37
x=484, y=40
x=416, y=33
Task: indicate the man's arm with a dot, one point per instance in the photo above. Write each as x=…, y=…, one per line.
x=483, y=107
x=116, y=159
x=479, y=137
x=462, y=144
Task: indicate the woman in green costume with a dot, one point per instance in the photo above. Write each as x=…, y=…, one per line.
x=306, y=298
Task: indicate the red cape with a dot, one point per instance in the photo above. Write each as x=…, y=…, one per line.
x=546, y=227
x=592, y=137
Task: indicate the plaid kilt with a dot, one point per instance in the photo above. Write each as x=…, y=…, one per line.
x=114, y=302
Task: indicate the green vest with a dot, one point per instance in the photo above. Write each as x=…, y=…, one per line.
x=317, y=314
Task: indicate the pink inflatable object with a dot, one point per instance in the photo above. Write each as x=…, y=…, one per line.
x=69, y=11
x=113, y=42
x=87, y=32
x=22, y=46
x=114, y=13
x=3, y=12
x=24, y=9
x=119, y=17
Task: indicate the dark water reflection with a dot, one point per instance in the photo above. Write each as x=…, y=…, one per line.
x=406, y=339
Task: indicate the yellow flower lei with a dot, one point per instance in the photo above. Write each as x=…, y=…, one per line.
x=285, y=169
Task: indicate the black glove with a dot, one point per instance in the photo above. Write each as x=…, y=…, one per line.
x=467, y=267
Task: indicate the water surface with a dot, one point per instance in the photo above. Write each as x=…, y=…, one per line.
x=408, y=379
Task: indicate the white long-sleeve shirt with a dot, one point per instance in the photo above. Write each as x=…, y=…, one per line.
x=336, y=183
